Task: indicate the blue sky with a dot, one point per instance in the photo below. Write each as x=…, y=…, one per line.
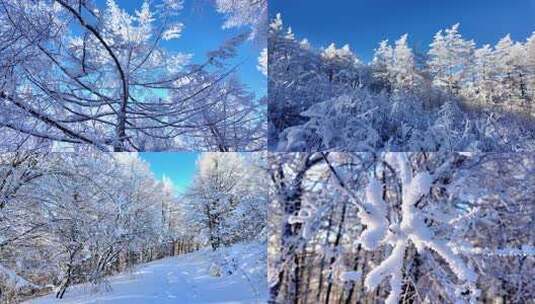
x=202, y=33
x=180, y=167
x=364, y=23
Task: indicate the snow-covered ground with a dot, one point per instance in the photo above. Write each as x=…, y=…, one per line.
x=184, y=279
x=13, y=278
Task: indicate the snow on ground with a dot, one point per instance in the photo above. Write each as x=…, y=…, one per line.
x=183, y=279
x=13, y=278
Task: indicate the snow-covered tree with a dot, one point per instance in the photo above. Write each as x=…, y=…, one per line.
x=86, y=74
x=450, y=58
x=69, y=218
x=232, y=119
x=485, y=74
x=403, y=70
x=246, y=13
x=300, y=76
x=457, y=98
x=530, y=65
x=400, y=227
x=382, y=62
x=339, y=64
x=263, y=62
x=225, y=199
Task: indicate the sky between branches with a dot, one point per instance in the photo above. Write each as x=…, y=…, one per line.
x=178, y=167
x=203, y=33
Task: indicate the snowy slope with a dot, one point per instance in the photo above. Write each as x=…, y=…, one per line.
x=13, y=278
x=183, y=279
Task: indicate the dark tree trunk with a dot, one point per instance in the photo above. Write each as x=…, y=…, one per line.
x=322, y=263
x=336, y=244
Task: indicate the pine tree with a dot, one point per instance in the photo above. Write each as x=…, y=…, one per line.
x=382, y=63
x=530, y=65
x=339, y=63
x=485, y=74
x=504, y=69
x=403, y=68
x=450, y=56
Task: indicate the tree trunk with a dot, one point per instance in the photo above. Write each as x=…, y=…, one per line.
x=322, y=263
x=336, y=244
x=65, y=284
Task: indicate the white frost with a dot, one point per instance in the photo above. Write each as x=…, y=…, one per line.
x=412, y=228
x=373, y=216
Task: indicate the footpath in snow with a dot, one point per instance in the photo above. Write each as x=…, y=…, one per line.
x=183, y=279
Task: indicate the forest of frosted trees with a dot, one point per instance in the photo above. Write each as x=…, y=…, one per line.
x=404, y=175
x=396, y=227
x=454, y=97
x=75, y=74
x=67, y=218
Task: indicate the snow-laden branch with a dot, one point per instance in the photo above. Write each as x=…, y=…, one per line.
x=373, y=216
x=412, y=229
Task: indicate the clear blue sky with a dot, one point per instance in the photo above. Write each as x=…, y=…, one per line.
x=364, y=23
x=180, y=167
x=202, y=33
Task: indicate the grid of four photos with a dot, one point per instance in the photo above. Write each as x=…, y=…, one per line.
x=290, y=152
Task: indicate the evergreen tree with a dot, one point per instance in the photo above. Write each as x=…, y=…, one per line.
x=403, y=68
x=449, y=59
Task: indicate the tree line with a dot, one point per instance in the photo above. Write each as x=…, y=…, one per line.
x=453, y=97
x=71, y=218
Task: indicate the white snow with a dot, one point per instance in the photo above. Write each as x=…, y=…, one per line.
x=525, y=250
x=173, y=32
x=262, y=65
x=391, y=266
x=13, y=278
x=412, y=228
x=373, y=216
x=182, y=279
x=417, y=187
